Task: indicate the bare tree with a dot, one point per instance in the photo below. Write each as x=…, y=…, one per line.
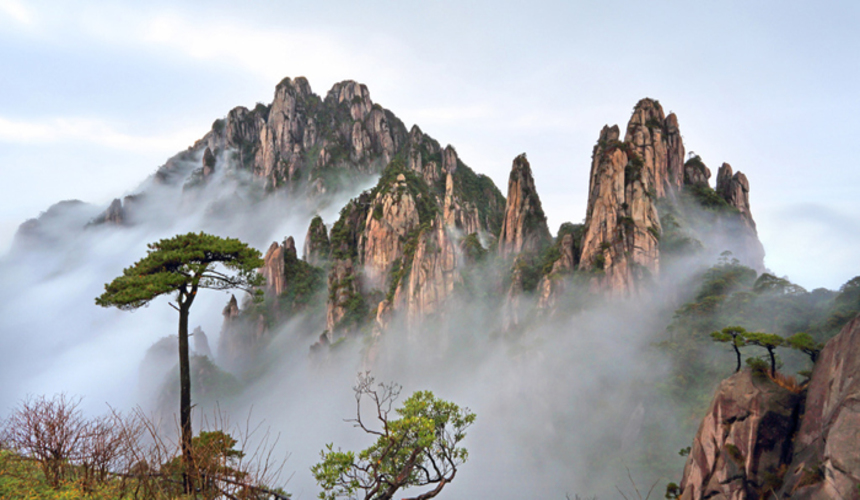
x=49, y=431
x=130, y=455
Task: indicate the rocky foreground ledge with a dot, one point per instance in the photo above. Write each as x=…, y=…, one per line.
x=762, y=440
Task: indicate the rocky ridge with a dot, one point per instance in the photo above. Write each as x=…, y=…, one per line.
x=403, y=246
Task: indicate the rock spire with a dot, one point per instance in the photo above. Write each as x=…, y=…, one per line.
x=524, y=227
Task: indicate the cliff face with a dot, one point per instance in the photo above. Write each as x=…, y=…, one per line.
x=657, y=141
x=553, y=284
x=274, y=269
x=622, y=227
x=744, y=442
x=524, y=226
x=735, y=189
x=759, y=440
x=401, y=239
x=433, y=273
x=393, y=214
x=826, y=463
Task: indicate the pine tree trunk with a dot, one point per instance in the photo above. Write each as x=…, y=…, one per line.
x=185, y=397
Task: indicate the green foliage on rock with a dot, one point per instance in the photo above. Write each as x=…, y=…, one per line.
x=303, y=284
x=425, y=201
x=472, y=248
x=481, y=191
x=769, y=341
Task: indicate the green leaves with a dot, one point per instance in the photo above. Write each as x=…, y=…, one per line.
x=184, y=261
x=418, y=448
x=804, y=343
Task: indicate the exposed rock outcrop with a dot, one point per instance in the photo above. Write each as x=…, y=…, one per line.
x=735, y=189
x=404, y=234
x=759, y=440
x=696, y=173
x=201, y=343
x=300, y=139
x=826, y=463
x=393, y=214
x=274, y=265
x=113, y=215
x=657, y=141
x=512, y=311
x=524, y=226
x=433, y=274
x=744, y=443
x=346, y=305
x=553, y=284
x=458, y=213
x=317, y=248
x=622, y=227
x=230, y=342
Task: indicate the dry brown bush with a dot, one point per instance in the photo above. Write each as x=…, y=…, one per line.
x=132, y=453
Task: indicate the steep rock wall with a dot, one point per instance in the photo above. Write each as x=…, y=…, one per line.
x=524, y=227
x=622, y=227
x=744, y=441
x=826, y=462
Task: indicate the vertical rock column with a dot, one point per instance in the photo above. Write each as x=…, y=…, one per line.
x=622, y=228
x=524, y=227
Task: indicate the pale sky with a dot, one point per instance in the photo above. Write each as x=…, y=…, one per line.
x=94, y=97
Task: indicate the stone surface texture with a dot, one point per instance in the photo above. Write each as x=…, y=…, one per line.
x=524, y=227
x=826, y=461
x=744, y=442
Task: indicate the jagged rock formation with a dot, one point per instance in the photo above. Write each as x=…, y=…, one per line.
x=113, y=215
x=622, y=226
x=744, y=443
x=274, y=269
x=230, y=344
x=433, y=273
x=568, y=247
x=632, y=181
x=303, y=140
x=735, y=189
x=346, y=306
x=657, y=141
x=393, y=214
x=344, y=293
x=826, y=463
x=524, y=227
x=118, y=212
x=400, y=241
x=696, y=173
x=317, y=248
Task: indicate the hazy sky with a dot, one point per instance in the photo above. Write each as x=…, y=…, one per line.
x=94, y=97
